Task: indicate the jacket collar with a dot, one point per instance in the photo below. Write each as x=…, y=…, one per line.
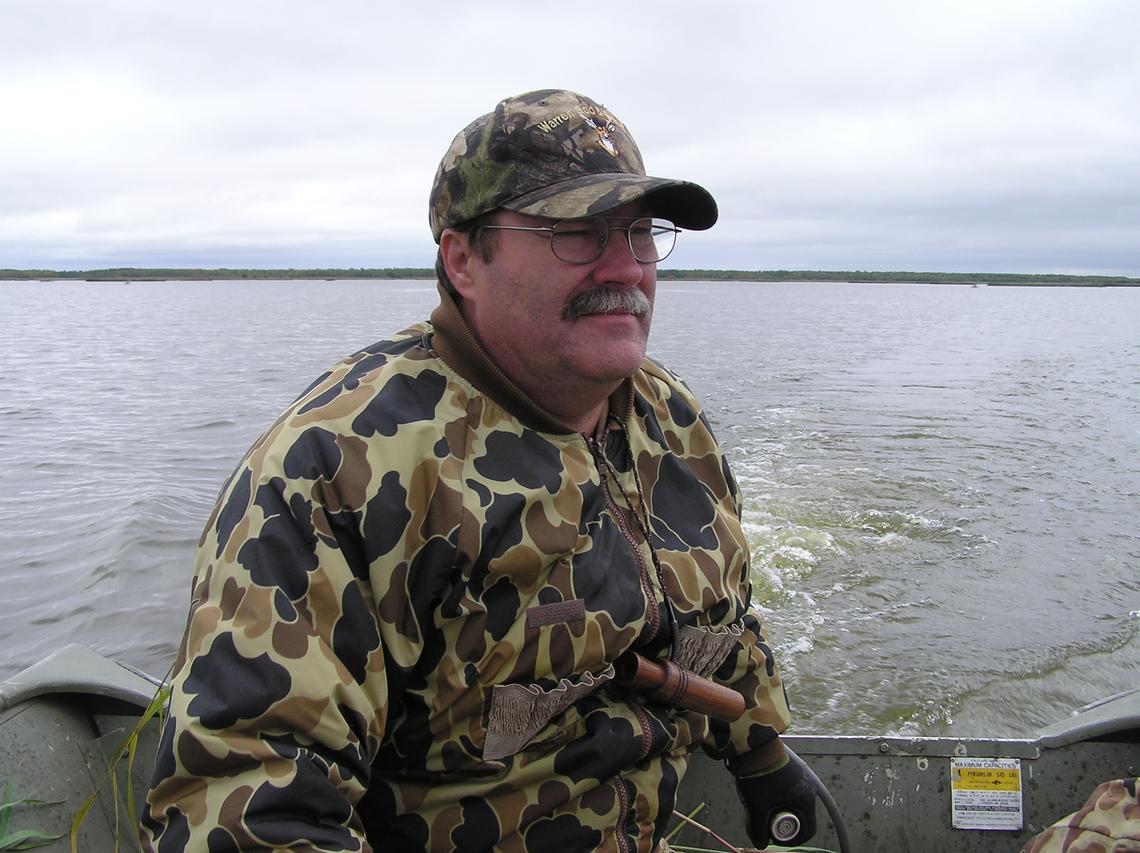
x=458, y=346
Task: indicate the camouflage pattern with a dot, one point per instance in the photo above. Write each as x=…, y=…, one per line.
x=556, y=154
x=406, y=608
x=1109, y=822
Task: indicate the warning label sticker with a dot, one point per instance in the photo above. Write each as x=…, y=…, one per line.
x=986, y=793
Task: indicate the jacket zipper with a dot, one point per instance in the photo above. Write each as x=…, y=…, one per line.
x=623, y=810
x=653, y=613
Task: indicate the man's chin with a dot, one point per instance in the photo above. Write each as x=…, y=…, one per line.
x=613, y=356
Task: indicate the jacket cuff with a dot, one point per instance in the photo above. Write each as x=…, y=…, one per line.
x=759, y=762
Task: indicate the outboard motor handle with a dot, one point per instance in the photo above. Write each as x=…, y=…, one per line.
x=779, y=826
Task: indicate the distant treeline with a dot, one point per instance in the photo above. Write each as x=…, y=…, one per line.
x=164, y=274
x=139, y=274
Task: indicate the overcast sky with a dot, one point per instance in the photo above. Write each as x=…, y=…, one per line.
x=953, y=135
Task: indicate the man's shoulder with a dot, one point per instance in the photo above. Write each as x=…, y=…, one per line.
x=402, y=354
x=654, y=378
x=398, y=353
x=667, y=395
x=376, y=391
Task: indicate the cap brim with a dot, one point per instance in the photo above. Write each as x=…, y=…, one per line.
x=688, y=205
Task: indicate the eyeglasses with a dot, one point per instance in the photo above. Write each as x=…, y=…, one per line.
x=582, y=241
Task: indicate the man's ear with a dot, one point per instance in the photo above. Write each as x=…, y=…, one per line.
x=455, y=249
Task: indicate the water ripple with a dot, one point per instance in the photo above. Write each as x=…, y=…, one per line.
x=939, y=484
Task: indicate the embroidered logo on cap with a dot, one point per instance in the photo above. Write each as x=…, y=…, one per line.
x=604, y=137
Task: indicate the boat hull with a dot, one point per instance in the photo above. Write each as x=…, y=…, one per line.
x=63, y=720
x=899, y=794
x=61, y=723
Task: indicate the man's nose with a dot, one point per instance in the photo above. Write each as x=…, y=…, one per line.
x=617, y=264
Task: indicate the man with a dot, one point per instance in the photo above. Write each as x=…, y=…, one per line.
x=410, y=598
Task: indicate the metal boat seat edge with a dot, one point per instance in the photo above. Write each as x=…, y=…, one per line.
x=74, y=668
x=1114, y=715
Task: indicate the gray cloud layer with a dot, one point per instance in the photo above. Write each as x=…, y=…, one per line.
x=958, y=136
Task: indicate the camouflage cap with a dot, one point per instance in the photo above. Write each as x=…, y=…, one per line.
x=556, y=154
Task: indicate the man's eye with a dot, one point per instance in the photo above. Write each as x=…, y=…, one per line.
x=583, y=236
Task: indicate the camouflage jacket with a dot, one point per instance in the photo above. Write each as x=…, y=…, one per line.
x=1108, y=822
x=408, y=602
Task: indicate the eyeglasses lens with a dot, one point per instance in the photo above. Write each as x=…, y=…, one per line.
x=582, y=241
x=652, y=239
x=579, y=241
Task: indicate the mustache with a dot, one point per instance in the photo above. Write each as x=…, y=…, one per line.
x=604, y=300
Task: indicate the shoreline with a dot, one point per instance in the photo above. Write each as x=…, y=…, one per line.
x=132, y=274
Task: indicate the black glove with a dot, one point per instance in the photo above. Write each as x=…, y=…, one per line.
x=788, y=789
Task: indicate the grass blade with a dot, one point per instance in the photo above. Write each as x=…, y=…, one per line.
x=27, y=839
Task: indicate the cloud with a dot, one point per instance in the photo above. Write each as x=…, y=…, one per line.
x=902, y=135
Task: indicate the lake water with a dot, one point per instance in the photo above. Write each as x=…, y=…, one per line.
x=942, y=483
